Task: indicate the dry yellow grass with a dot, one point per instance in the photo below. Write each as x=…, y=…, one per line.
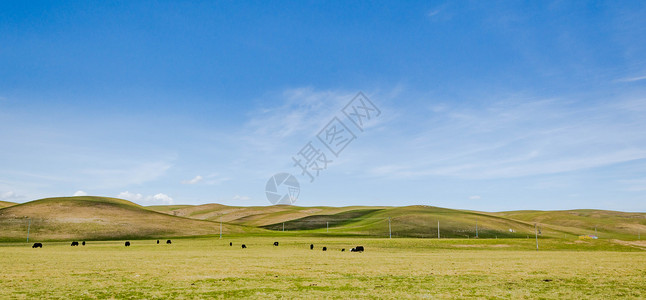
x=98, y=218
x=4, y=204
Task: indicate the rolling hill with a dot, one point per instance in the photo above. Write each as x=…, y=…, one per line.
x=4, y=204
x=604, y=223
x=252, y=215
x=420, y=221
x=410, y=221
x=99, y=218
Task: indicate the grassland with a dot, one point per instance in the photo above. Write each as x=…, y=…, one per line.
x=390, y=268
x=501, y=263
x=4, y=204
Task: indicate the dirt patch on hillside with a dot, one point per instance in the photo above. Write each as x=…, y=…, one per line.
x=636, y=244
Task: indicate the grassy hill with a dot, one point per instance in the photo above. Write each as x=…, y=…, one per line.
x=99, y=218
x=420, y=221
x=252, y=215
x=96, y=218
x=410, y=221
x=4, y=204
x=613, y=224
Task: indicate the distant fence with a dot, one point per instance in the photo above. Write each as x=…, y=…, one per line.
x=397, y=227
x=16, y=228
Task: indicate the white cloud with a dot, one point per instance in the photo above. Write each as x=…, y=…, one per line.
x=440, y=13
x=289, y=120
x=243, y=198
x=302, y=111
x=131, y=196
x=517, y=138
x=80, y=193
x=162, y=198
x=475, y=197
x=433, y=12
x=195, y=180
x=159, y=198
x=8, y=195
x=632, y=79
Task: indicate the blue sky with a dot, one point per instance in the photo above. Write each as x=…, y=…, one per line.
x=484, y=105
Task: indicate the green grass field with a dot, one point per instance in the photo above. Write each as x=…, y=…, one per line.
x=390, y=268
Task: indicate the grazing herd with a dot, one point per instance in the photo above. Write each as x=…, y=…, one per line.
x=355, y=249
x=168, y=242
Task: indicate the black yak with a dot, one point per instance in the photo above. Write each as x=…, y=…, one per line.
x=244, y=246
x=83, y=243
x=127, y=244
x=311, y=246
x=275, y=243
x=343, y=250
x=230, y=244
x=75, y=243
x=157, y=242
x=357, y=249
x=324, y=248
x=168, y=242
x=37, y=245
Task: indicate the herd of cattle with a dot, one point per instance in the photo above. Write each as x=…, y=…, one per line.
x=168, y=242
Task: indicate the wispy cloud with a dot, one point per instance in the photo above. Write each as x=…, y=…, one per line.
x=515, y=139
x=194, y=180
x=439, y=13
x=158, y=198
x=300, y=111
x=8, y=195
x=80, y=193
x=274, y=133
x=433, y=12
x=243, y=198
x=631, y=79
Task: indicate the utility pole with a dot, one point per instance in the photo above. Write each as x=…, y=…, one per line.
x=28, y=229
x=283, y=226
x=438, y=229
x=390, y=232
x=327, y=226
x=476, y=228
x=536, y=232
x=220, y=228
